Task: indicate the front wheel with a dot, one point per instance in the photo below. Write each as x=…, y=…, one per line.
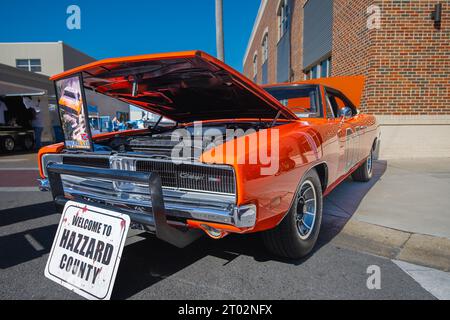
x=297, y=234
x=8, y=144
x=365, y=172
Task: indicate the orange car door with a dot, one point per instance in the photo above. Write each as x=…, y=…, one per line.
x=353, y=143
x=360, y=127
x=347, y=134
x=339, y=127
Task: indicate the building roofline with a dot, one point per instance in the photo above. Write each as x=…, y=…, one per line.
x=69, y=46
x=25, y=79
x=7, y=69
x=261, y=10
x=50, y=42
x=31, y=42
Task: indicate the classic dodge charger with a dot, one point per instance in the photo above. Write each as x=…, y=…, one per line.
x=236, y=158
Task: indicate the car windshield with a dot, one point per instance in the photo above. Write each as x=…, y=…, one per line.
x=303, y=100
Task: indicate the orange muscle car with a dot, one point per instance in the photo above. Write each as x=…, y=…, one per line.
x=239, y=158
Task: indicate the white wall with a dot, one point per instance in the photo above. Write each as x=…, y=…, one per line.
x=106, y=106
x=56, y=57
x=411, y=137
x=50, y=53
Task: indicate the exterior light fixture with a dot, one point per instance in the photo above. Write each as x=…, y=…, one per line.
x=436, y=15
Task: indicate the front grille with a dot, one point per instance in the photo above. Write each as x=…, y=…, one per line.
x=94, y=162
x=191, y=177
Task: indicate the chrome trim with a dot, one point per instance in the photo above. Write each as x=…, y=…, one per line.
x=369, y=163
x=305, y=210
x=213, y=209
x=245, y=216
x=163, y=229
x=125, y=162
x=179, y=203
x=48, y=158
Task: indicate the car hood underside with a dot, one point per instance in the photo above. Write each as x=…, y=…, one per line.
x=185, y=87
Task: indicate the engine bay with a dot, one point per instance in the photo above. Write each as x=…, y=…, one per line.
x=160, y=142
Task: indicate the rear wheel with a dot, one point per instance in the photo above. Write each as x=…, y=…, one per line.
x=297, y=234
x=365, y=172
x=28, y=143
x=8, y=144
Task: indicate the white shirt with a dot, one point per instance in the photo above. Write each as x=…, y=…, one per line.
x=37, y=122
x=3, y=108
x=29, y=103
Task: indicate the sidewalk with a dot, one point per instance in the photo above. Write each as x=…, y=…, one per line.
x=402, y=214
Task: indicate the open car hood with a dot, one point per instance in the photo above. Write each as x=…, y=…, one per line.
x=185, y=87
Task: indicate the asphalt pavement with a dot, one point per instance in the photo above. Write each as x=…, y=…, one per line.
x=235, y=268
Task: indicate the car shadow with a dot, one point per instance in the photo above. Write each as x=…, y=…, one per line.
x=21, y=247
x=25, y=246
x=21, y=214
x=149, y=261
x=343, y=202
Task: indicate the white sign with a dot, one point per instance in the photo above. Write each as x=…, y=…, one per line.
x=87, y=249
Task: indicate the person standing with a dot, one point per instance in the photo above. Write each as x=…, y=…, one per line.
x=37, y=122
x=115, y=124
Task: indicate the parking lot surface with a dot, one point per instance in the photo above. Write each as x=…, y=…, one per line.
x=235, y=268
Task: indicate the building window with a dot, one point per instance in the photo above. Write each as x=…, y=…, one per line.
x=320, y=70
x=283, y=18
x=315, y=72
x=32, y=65
x=255, y=66
x=329, y=67
x=265, y=48
x=324, y=69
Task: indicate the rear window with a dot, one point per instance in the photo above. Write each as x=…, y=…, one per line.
x=303, y=100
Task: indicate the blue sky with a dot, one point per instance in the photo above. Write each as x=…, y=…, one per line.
x=130, y=27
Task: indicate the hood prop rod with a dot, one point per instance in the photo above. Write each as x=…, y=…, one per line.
x=276, y=119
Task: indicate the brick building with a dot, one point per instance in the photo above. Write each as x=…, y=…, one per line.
x=403, y=52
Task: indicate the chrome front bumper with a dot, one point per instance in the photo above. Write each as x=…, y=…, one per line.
x=97, y=185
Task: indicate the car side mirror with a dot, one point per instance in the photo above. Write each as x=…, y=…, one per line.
x=346, y=112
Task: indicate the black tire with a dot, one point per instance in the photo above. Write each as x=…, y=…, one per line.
x=365, y=172
x=28, y=143
x=8, y=144
x=286, y=239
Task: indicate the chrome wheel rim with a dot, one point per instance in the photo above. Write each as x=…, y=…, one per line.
x=9, y=144
x=370, y=163
x=306, y=210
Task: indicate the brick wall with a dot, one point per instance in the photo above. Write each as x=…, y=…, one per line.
x=352, y=41
x=297, y=40
x=406, y=61
x=269, y=21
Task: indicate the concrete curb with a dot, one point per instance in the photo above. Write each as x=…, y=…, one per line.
x=394, y=244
